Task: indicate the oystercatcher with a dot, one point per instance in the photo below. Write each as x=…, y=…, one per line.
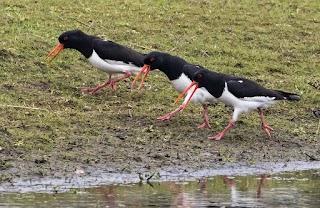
x=173, y=66
x=243, y=94
x=105, y=55
x=316, y=112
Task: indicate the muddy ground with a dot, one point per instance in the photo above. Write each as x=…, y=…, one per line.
x=144, y=144
x=49, y=128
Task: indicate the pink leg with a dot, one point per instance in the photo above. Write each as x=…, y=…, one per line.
x=221, y=134
x=265, y=127
x=168, y=116
x=228, y=181
x=205, y=116
x=110, y=82
x=114, y=81
x=95, y=89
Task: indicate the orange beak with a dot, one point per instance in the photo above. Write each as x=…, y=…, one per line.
x=55, y=52
x=185, y=91
x=145, y=67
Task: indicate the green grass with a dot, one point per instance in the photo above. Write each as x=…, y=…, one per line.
x=275, y=44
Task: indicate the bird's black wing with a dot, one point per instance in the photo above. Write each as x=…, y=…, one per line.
x=107, y=49
x=244, y=88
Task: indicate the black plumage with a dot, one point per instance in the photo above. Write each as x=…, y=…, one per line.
x=105, y=55
x=173, y=68
x=243, y=94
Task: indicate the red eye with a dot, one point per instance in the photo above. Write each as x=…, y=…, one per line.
x=151, y=58
x=199, y=76
x=65, y=38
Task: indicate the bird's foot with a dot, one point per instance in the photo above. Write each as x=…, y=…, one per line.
x=96, y=89
x=169, y=115
x=266, y=129
x=113, y=86
x=217, y=137
x=165, y=117
x=221, y=134
x=205, y=124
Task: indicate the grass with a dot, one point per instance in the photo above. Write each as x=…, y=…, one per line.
x=275, y=44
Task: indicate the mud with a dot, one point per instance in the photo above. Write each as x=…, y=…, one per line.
x=122, y=151
x=93, y=176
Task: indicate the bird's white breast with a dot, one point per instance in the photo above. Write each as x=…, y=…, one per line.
x=201, y=95
x=112, y=66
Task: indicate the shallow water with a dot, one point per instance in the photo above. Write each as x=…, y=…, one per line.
x=284, y=189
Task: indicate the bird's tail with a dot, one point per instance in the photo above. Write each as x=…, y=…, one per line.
x=288, y=96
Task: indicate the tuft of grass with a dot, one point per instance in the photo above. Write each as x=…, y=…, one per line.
x=55, y=127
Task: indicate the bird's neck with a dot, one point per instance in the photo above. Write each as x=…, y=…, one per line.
x=86, y=48
x=216, y=85
x=173, y=68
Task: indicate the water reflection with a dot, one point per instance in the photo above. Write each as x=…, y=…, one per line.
x=108, y=195
x=237, y=199
x=294, y=189
x=183, y=199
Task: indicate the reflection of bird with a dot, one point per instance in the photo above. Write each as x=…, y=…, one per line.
x=236, y=197
x=186, y=200
x=173, y=66
x=234, y=193
x=243, y=94
x=109, y=195
x=316, y=112
x=105, y=55
x=261, y=184
x=181, y=199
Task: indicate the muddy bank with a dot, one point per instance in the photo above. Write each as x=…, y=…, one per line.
x=96, y=176
x=49, y=128
x=150, y=147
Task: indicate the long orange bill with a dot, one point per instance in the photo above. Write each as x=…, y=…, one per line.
x=144, y=68
x=55, y=52
x=185, y=91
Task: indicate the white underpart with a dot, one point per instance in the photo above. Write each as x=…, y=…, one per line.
x=242, y=105
x=111, y=66
x=200, y=96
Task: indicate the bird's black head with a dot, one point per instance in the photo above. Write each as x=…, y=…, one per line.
x=73, y=39
x=200, y=77
x=190, y=69
x=155, y=60
x=168, y=64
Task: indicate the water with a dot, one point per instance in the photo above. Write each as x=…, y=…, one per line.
x=284, y=189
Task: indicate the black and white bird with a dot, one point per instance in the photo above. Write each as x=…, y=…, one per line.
x=316, y=112
x=172, y=66
x=105, y=55
x=243, y=94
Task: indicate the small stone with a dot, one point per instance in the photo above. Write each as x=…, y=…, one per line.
x=79, y=171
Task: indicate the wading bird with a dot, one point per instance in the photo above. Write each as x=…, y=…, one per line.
x=243, y=94
x=173, y=66
x=105, y=55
